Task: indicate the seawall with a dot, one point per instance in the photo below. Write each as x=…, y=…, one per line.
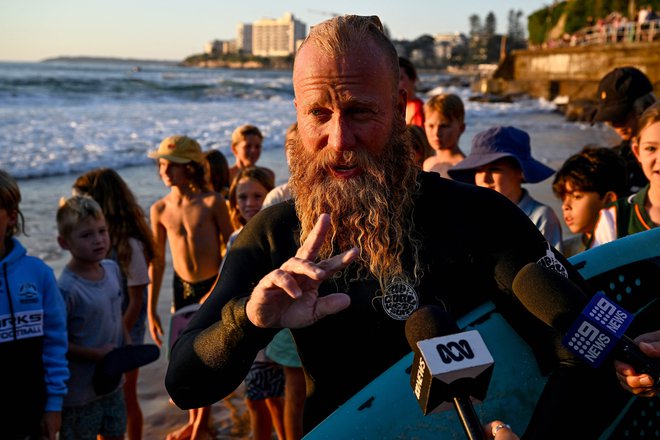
x=571, y=72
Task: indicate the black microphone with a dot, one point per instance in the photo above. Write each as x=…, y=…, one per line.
x=449, y=367
x=594, y=327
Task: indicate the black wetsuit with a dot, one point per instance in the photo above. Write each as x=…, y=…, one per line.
x=474, y=243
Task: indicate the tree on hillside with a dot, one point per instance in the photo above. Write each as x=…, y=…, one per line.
x=490, y=25
x=475, y=25
x=484, y=43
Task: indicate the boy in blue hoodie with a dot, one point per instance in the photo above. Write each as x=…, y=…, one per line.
x=33, y=338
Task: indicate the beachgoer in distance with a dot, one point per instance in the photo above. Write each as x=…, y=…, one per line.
x=420, y=145
x=366, y=241
x=501, y=159
x=623, y=94
x=195, y=221
x=34, y=363
x=444, y=125
x=264, y=383
x=246, y=144
x=408, y=81
x=92, y=289
x=218, y=171
x=132, y=247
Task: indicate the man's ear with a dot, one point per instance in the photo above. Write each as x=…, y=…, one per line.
x=63, y=242
x=609, y=197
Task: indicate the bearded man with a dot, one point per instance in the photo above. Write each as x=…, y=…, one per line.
x=367, y=240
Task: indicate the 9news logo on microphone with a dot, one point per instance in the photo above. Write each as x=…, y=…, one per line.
x=597, y=330
x=448, y=364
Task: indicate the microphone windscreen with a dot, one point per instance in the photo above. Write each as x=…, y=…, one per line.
x=429, y=322
x=549, y=296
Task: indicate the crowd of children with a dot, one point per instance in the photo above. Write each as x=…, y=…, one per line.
x=106, y=296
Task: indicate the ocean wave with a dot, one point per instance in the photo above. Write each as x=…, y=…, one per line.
x=21, y=84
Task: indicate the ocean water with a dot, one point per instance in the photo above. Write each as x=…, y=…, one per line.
x=58, y=120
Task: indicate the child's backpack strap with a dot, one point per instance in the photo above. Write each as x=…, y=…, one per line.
x=623, y=210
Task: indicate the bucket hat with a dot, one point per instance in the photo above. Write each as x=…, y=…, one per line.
x=496, y=143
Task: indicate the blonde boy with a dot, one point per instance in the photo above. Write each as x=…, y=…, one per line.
x=92, y=290
x=195, y=221
x=246, y=145
x=444, y=124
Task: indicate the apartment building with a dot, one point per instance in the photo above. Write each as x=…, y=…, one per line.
x=271, y=37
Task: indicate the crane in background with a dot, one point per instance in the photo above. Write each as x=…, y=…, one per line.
x=326, y=13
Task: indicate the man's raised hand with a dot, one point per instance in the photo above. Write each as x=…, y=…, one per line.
x=288, y=296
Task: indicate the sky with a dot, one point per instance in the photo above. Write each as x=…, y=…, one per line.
x=33, y=30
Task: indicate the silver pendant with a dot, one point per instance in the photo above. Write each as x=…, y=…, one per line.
x=399, y=300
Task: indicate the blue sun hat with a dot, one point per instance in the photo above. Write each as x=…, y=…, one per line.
x=496, y=143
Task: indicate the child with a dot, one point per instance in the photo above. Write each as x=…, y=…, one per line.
x=92, y=290
x=641, y=211
x=265, y=380
x=586, y=183
x=246, y=142
x=196, y=223
x=420, y=145
x=623, y=94
x=218, y=172
x=133, y=248
x=407, y=81
x=444, y=125
x=501, y=159
x=34, y=364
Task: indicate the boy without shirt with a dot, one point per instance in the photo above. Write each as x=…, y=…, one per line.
x=196, y=223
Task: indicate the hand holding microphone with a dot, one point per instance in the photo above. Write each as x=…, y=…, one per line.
x=640, y=384
x=595, y=332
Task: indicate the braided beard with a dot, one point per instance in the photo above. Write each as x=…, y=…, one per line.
x=371, y=211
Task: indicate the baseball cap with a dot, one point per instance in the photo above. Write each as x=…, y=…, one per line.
x=179, y=149
x=617, y=92
x=496, y=143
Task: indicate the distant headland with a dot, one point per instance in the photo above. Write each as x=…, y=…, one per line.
x=90, y=59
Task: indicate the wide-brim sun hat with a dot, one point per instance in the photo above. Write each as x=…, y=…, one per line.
x=179, y=149
x=497, y=143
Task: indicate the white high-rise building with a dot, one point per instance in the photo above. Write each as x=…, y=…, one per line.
x=244, y=37
x=271, y=37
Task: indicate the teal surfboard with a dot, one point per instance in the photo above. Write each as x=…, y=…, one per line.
x=627, y=270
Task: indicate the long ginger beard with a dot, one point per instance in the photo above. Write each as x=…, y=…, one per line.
x=372, y=211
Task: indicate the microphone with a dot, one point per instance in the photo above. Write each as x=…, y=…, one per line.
x=594, y=328
x=449, y=367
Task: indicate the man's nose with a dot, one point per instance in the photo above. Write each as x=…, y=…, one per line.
x=341, y=136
